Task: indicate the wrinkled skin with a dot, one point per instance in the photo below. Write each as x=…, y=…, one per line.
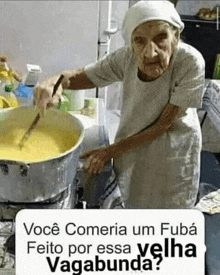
x=96, y=159
x=153, y=44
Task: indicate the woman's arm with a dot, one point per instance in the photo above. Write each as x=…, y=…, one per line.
x=163, y=123
x=74, y=80
x=103, y=72
x=98, y=158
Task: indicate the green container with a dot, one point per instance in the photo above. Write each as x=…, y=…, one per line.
x=63, y=105
x=76, y=99
x=216, y=74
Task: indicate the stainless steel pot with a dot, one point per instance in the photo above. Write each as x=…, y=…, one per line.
x=40, y=180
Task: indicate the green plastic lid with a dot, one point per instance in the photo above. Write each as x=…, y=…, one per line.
x=9, y=87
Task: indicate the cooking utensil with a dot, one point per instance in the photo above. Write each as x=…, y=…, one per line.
x=34, y=123
x=38, y=181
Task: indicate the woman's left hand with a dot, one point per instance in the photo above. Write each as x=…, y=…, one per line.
x=97, y=159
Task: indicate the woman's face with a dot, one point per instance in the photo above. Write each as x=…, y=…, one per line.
x=153, y=43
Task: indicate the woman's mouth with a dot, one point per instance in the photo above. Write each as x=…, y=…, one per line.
x=150, y=64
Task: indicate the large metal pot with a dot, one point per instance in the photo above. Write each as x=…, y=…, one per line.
x=40, y=180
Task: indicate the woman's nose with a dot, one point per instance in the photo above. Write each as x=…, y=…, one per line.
x=150, y=50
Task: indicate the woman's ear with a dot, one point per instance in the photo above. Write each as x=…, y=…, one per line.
x=176, y=38
x=177, y=34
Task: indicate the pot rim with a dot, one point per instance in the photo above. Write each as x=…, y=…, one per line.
x=79, y=141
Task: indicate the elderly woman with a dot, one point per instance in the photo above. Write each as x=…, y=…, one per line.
x=157, y=146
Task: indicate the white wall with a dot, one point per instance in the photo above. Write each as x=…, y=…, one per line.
x=56, y=35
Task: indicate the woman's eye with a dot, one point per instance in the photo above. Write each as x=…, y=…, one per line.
x=161, y=38
x=139, y=40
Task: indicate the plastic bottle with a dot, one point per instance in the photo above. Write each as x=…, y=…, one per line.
x=8, y=78
x=7, y=95
x=24, y=95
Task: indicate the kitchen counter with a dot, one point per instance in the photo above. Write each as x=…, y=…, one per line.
x=96, y=136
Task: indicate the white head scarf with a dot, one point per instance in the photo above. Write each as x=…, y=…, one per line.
x=145, y=11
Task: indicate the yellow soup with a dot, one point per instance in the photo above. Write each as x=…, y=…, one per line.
x=43, y=143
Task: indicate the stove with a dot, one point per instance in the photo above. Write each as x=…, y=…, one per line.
x=7, y=248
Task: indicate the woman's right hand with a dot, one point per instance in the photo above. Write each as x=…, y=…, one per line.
x=43, y=92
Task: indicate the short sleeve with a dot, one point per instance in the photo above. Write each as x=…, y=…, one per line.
x=109, y=69
x=188, y=80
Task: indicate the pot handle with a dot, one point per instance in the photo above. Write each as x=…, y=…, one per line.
x=24, y=167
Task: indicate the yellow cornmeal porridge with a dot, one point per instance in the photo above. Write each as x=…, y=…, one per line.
x=42, y=144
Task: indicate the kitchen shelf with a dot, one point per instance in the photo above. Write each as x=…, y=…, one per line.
x=204, y=35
